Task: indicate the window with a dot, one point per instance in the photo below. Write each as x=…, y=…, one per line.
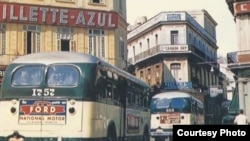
x=65, y=33
x=156, y=40
x=97, y=1
x=175, y=70
x=174, y=37
x=176, y=66
x=149, y=75
x=157, y=70
x=65, y=41
x=141, y=75
x=120, y=6
x=32, y=39
x=2, y=39
x=97, y=43
x=129, y=97
x=65, y=0
x=61, y=75
x=122, y=50
x=133, y=51
x=28, y=76
x=148, y=43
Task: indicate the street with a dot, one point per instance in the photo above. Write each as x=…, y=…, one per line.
x=152, y=139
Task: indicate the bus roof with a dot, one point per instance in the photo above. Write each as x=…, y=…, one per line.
x=48, y=58
x=56, y=57
x=174, y=94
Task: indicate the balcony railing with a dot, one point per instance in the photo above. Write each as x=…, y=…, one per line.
x=238, y=58
x=163, y=48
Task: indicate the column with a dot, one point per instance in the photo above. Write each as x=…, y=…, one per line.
x=242, y=85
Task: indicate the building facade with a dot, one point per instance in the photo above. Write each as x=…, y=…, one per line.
x=239, y=61
x=176, y=51
x=96, y=27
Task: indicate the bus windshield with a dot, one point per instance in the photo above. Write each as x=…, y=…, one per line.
x=170, y=105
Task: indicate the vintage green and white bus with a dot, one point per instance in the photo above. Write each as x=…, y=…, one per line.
x=174, y=108
x=69, y=96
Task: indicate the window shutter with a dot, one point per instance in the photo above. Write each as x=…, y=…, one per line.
x=59, y=45
x=25, y=42
x=33, y=43
x=72, y=46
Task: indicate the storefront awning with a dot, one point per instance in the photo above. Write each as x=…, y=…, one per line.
x=234, y=106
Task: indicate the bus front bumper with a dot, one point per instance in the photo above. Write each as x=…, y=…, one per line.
x=161, y=132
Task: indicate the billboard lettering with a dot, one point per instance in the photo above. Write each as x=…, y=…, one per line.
x=34, y=14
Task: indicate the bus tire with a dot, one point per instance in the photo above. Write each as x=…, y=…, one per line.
x=146, y=136
x=111, y=134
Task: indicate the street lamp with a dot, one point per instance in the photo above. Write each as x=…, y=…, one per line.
x=211, y=64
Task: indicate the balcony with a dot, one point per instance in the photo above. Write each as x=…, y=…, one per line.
x=160, y=49
x=238, y=59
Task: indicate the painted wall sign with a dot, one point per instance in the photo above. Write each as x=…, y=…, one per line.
x=243, y=7
x=34, y=14
x=174, y=48
x=177, y=85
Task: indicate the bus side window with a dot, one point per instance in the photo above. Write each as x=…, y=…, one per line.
x=129, y=98
x=133, y=97
x=146, y=102
x=101, y=90
x=116, y=95
x=137, y=100
x=141, y=99
x=109, y=91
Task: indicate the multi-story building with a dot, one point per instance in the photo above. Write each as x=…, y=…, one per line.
x=176, y=51
x=96, y=27
x=239, y=61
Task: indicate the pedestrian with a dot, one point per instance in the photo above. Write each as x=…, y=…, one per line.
x=241, y=119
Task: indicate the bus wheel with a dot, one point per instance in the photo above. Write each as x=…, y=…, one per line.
x=111, y=135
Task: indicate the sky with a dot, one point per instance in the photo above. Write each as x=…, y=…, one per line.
x=218, y=9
